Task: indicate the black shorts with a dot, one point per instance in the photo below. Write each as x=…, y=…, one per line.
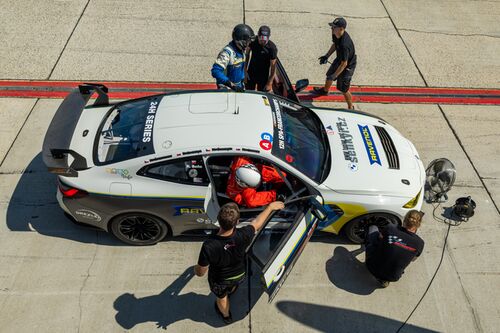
x=344, y=79
x=222, y=288
x=256, y=83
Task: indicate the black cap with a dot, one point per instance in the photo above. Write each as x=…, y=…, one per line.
x=264, y=31
x=339, y=22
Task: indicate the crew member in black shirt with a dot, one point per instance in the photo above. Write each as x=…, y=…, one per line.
x=342, y=68
x=390, y=250
x=223, y=255
x=262, y=65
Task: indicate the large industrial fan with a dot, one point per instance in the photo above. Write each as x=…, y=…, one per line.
x=440, y=177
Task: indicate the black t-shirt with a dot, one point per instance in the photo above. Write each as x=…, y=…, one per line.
x=345, y=49
x=261, y=58
x=226, y=255
x=393, y=253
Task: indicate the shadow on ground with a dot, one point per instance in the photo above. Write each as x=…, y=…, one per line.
x=332, y=319
x=33, y=207
x=171, y=305
x=346, y=272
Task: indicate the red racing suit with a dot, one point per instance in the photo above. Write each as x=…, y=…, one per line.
x=249, y=197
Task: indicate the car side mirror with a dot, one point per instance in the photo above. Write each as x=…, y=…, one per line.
x=301, y=85
x=318, y=210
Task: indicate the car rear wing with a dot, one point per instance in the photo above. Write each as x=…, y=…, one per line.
x=55, y=149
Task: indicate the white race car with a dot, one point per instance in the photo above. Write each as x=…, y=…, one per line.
x=159, y=165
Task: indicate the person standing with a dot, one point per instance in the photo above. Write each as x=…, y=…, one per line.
x=390, y=250
x=342, y=68
x=261, y=67
x=229, y=67
x=224, y=254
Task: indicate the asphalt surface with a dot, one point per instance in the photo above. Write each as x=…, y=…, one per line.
x=58, y=277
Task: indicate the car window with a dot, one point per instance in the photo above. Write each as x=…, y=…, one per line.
x=299, y=139
x=186, y=171
x=127, y=132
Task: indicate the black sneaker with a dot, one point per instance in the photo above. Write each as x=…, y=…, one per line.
x=320, y=91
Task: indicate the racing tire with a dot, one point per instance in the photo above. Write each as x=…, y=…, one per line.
x=139, y=229
x=355, y=230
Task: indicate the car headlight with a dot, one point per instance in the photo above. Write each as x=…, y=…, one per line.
x=413, y=202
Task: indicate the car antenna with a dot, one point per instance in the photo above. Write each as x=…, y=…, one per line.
x=237, y=111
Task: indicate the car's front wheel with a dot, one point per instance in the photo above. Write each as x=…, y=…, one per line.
x=355, y=230
x=139, y=229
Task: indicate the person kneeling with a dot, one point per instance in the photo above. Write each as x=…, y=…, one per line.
x=390, y=250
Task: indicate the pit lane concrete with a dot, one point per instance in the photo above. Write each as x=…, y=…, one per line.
x=57, y=277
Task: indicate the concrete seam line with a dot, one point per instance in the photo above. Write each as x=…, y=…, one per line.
x=244, y=12
x=19, y=132
x=85, y=282
x=448, y=33
x=403, y=41
x=475, y=316
x=468, y=157
x=67, y=41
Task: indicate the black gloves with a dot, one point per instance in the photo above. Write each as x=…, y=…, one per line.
x=323, y=60
x=234, y=87
x=238, y=88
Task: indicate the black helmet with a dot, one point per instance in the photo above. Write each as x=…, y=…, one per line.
x=242, y=36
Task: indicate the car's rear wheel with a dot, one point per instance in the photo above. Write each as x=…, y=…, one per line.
x=355, y=230
x=139, y=229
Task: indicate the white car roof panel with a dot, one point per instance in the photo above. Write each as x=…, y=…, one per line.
x=225, y=120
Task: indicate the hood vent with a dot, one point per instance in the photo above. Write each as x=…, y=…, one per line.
x=389, y=148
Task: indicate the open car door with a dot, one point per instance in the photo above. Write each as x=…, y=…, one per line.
x=282, y=85
x=276, y=251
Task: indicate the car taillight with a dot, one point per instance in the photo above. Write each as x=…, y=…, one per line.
x=71, y=192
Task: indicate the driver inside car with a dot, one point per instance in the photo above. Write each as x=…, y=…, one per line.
x=246, y=177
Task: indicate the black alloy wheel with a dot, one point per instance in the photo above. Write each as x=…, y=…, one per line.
x=139, y=229
x=356, y=229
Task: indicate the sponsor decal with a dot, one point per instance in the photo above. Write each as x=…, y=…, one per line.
x=88, y=214
x=289, y=158
x=124, y=173
x=166, y=144
x=265, y=144
x=279, y=125
x=278, y=129
x=229, y=245
x=266, y=101
x=395, y=240
x=192, y=173
x=147, y=133
x=371, y=149
x=346, y=140
x=329, y=130
x=266, y=136
x=187, y=210
x=353, y=166
x=203, y=221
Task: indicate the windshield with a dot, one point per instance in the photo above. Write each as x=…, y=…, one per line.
x=127, y=132
x=300, y=139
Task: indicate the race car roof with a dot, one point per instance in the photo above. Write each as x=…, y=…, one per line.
x=211, y=120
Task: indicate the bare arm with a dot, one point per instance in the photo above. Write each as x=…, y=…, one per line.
x=331, y=50
x=272, y=73
x=262, y=217
x=200, y=270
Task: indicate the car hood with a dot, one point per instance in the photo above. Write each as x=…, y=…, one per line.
x=369, y=156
